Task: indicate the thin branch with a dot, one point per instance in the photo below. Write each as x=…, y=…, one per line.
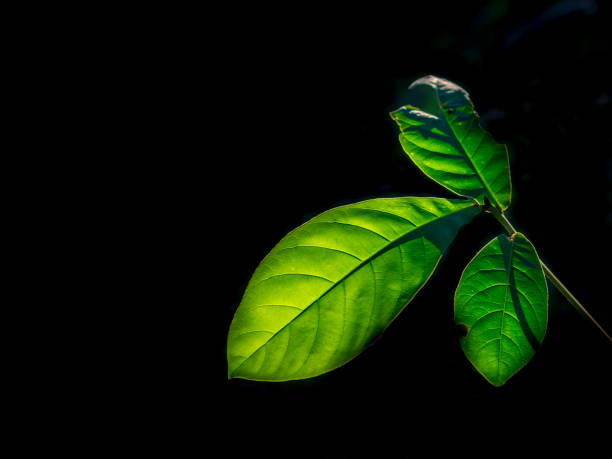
x=571, y=298
x=549, y=274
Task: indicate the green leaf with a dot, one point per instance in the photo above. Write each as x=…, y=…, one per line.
x=502, y=299
x=335, y=283
x=440, y=131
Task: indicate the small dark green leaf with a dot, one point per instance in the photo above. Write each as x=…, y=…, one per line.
x=440, y=131
x=502, y=299
x=331, y=286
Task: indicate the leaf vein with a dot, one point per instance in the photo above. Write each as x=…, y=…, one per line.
x=352, y=224
x=321, y=247
x=388, y=213
x=292, y=274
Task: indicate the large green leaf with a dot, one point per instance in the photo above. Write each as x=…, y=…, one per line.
x=440, y=131
x=502, y=299
x=332, y=285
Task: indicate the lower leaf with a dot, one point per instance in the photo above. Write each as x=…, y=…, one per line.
x=502, y=299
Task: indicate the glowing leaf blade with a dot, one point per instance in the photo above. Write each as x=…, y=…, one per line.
x=331, y=286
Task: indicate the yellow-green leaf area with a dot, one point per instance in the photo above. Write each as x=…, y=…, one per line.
x=332, y=285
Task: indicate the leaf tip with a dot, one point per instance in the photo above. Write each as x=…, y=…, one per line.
x=394, y=114
x=495, y=380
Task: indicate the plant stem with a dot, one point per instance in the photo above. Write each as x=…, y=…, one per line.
x=549, y=274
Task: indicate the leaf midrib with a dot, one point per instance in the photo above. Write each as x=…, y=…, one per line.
x=469, y=160
x=364, y=262
x=501, y=325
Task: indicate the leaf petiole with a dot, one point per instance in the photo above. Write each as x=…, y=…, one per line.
x=501, y=218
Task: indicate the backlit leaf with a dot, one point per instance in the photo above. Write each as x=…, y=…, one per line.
x=440, y=131
x=502, y=299
x=335, y=283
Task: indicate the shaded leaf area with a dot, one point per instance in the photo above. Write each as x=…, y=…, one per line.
x=333, y=284
x=440, y=132
x=502, y=299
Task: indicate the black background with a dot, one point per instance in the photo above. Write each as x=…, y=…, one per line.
x=301, y=103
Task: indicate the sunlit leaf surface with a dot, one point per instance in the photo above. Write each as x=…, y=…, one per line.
x=502, y=299
x=440, y=132
x=332, y=285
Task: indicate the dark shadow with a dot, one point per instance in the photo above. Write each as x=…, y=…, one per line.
x=533, y=341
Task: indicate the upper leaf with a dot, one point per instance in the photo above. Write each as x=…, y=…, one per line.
x=502, y=298
x=440, y=131
x=332, y=285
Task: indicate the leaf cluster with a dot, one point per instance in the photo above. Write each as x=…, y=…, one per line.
x=329, y=288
